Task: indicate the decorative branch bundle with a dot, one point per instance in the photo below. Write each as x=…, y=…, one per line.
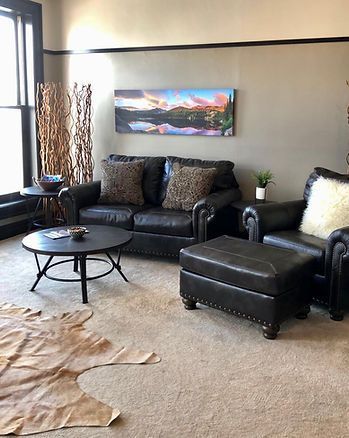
x=82, y=131
x=52, y=115
x=64, y=131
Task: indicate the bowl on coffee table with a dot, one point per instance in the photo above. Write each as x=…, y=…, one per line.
x=77, y=233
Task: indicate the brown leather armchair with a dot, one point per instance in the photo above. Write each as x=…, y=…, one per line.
x=277, y=224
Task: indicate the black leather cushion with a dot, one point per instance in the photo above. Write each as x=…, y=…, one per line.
x=301, y=242
x=152, y=175
x=249, y=265
x=326, y=173
x=159, y=220
x=120, y=215
x=224, y=178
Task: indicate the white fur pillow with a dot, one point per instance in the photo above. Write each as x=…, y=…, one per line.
x=328, y=208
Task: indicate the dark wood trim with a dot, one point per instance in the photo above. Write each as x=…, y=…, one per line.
x=10, y=106
x=31, y=13
x=11, y=205
x=19, y=207
x=9, y=197
x=38, y=74
x=19, y=101
x=25, y=84
x=18, y=226
x=22, y=6
x=201, y=46
x=27, y=145
x=14, y=216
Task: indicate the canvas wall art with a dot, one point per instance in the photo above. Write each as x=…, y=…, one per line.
x=180, y=112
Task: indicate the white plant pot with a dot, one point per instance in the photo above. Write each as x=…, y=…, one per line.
x=260, y=193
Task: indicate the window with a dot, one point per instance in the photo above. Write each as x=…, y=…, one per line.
x=21, y=68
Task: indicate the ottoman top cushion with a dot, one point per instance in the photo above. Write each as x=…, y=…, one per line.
x=249, y=265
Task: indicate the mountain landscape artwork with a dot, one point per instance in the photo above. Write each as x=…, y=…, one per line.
x=178, y=112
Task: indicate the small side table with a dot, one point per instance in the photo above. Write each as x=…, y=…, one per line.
x=51, y=219
x=239, y=207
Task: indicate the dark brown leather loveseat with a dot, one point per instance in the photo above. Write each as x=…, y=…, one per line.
x=157, y=230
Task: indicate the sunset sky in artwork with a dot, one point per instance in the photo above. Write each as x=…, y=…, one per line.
x=168, y=99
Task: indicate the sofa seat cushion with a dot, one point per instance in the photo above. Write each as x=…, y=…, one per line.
x=158, y=220
x=120, y=215
x=247, y=265
x=300, y=242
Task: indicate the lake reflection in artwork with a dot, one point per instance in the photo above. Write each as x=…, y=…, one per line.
x=178, y=112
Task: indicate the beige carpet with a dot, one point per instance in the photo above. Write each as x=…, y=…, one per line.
x=218, y=376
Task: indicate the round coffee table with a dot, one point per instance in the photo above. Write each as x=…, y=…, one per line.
x=99, y=239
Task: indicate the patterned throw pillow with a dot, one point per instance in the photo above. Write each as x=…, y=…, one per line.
x=122, y=182
x=187, y=186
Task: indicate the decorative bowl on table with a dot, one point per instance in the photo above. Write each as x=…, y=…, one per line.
x=77, y=233
x=49, y=183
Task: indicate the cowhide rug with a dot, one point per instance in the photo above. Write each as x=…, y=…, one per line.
x=40, y=360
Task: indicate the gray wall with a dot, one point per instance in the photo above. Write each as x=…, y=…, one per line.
x=290, y=106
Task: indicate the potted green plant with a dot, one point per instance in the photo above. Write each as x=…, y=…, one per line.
x=263, y=178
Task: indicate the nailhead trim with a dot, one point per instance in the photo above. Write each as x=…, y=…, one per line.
x=235, y=312
x=156, y=253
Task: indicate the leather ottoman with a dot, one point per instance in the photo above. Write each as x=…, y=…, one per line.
x=259, y=282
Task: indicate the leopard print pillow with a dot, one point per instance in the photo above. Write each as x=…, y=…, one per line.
x=187, y=186
x=122, y=182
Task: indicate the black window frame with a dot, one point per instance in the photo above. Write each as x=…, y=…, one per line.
x=30, y=12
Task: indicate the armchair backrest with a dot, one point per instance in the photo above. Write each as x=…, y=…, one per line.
x=326, y=173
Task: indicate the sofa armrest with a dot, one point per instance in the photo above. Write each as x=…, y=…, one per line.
x=206, y=208
x=75, y=197
x=337, y=270
x=261, y=219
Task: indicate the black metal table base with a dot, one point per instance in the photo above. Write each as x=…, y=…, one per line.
x=78, y=262
x=49, y=221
